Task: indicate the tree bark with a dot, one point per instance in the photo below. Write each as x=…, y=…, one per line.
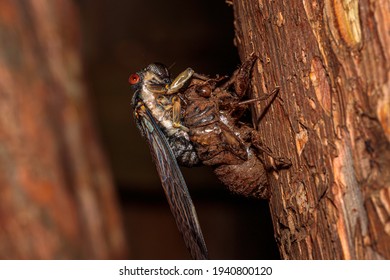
x=331, y=118
x=56, y=193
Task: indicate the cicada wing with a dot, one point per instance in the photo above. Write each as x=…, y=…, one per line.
x=174, y=186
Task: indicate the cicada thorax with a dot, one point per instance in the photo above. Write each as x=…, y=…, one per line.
x=221, y=141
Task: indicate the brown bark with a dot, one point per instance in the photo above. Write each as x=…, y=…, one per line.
x=56, y=193
x=332, y=119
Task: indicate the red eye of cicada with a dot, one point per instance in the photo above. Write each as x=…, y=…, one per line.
x=134, y=79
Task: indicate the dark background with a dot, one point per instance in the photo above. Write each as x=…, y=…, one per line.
x=121, y=37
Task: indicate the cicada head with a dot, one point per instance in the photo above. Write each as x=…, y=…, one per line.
x=156, y=74
x=153, y=79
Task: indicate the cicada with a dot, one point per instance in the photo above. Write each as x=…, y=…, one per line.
x=157, y=112
x=194, y=120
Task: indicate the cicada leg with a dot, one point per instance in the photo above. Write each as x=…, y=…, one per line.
x=254, y=100
x=179, y=81
x=165, y=103
x=176, y=114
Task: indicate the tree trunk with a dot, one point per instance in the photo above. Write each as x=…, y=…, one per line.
x=56, y=193
x=331, y=118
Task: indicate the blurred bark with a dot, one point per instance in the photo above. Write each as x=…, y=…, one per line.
x=331, y=118
x=56, y=193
